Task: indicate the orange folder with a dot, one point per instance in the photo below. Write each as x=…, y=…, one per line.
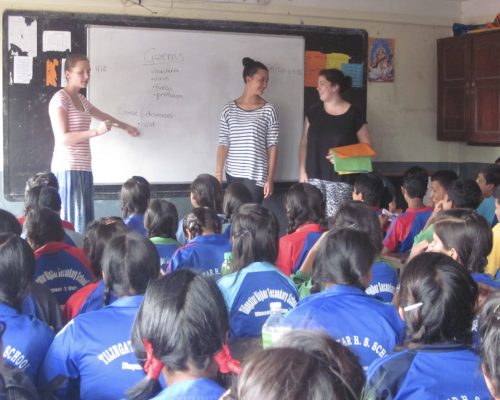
x=354, y=150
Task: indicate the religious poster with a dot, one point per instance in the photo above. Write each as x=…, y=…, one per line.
x=381, y=59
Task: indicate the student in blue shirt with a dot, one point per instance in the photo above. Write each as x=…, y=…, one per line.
x=134, y=197
x=360, y=216
x=342, y=265
x=97, y=235
x=488, y=179
x=206, y=191
x=180, y=334
x=255, y=282
x=26, y=338
x=94, y=350
x=489, y=328
x=235, y=196
x=161, y=220
x=204, y=251
x=436, y=300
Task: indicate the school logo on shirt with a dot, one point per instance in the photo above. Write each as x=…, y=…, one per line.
x=366, y=342
x=117, y=350
x=259, y=296
x=15, y=357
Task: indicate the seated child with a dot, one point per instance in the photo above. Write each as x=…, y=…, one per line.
x=488, y=179
x=235, y=196
x=161, y=220
x=403, y=229
x=493, y=265
x=440, y=181
x=134, y=198
x=305, y=210
x=205, y=248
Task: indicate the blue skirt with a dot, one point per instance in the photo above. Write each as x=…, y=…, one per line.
x=76, y=189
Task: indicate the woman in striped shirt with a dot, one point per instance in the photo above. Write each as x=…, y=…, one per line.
x=248, y=136
x=70, y=115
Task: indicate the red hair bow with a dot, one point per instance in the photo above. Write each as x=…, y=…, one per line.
x=153, y=366
x=226, y=363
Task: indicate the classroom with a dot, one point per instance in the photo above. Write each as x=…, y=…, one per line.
x=331, y=233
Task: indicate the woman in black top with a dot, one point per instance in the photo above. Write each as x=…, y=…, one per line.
x=333, y=122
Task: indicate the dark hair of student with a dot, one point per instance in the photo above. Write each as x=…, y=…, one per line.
x=199, y=219
x=448, y=295
x=9, y=223
x=97, y=234
x=254, y=233
x=360, y=216
x=17, y=269
x=129, y=263
x=444, y=177
x=468, y=233
x=73, y=59
x=371, y=186
x=345, y=257
x=337, y=77
x=304, y=203
x=250, y=67
x=42, y=226
x=464, y=193
x=317, y=367
x=491, y=173
x=42, y=179
x=207, y=192
x=161, y=219
x=415, y=182
x=49, y=197
x=134, y=196
x=184, y=318
x=235, y=196
x=489, y=329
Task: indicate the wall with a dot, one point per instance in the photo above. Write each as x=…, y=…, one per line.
x=479, y=11
x=402, y=115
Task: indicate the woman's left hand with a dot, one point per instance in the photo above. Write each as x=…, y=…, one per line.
x=268, y=189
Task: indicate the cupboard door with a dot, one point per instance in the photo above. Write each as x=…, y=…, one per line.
x=485, y=89
x=453, y=89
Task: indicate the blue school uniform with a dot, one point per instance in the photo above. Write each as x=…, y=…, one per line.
x=62, y=268
x=25, y=340
x=384, y=281
x=95, y=352
x=249, y=293
x=404, y=228
x=369, y=327
x=431, y=372
x=135, y=222
x=204, y=254
x=197, y=389
x=487, y=210
x=166, y=248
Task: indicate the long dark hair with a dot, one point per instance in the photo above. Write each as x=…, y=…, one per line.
x=468, y=233
x=207, y=192
x=345, y=257
x=254, y=233
x=235, y=196
x=489, y=328
x=129, y=263
x=304, y=203
x=17, y=269
x=200, y=219
x=161, y=219
x=42, y=226
x=134, y=196
x=97, y=234
x=185, y=319
x=448, y=295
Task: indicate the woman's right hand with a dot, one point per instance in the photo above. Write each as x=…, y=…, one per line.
x=103, y=127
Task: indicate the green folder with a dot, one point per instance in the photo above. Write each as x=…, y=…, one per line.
x=351, y=165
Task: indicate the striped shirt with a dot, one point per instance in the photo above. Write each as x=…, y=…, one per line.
x=248, y=134
x=77, y=156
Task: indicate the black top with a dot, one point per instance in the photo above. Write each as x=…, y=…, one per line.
x=326, y=131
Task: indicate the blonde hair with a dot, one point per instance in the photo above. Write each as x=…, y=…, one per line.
x=73, y=59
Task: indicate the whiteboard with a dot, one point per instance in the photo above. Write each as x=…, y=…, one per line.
x=172, y=85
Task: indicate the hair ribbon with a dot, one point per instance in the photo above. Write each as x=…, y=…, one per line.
x=227, y=364
x=153, y=366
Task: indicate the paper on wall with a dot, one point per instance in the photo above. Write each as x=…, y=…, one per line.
x=56, y=41
x=23, y=69
x=22, y=36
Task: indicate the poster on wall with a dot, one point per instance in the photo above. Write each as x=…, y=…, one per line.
x=381, y=59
